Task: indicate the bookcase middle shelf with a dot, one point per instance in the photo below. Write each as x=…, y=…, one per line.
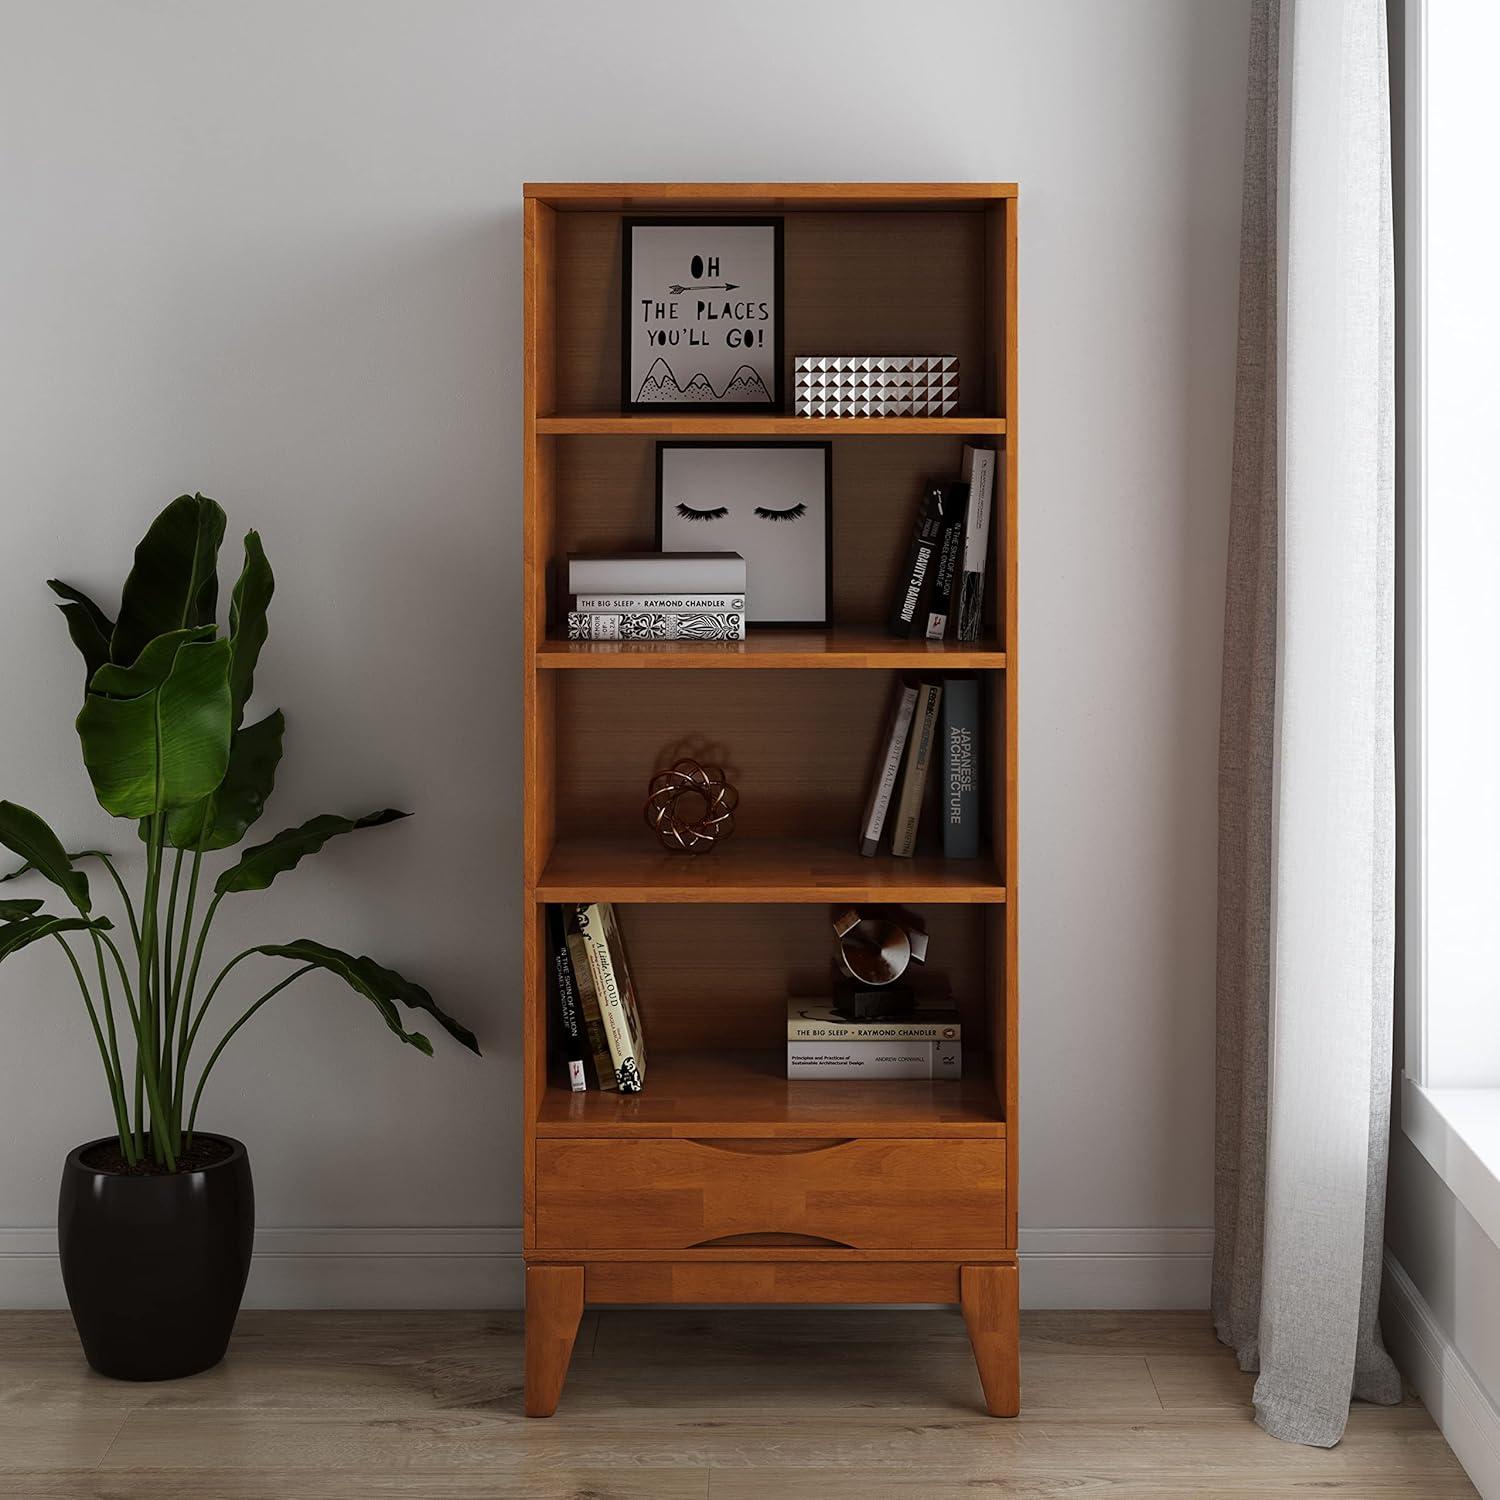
x=839, y=647
x=628, y=868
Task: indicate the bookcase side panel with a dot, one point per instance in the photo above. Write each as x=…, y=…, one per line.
x=1012, y=712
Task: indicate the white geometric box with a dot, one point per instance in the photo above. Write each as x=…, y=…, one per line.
x=874, y=385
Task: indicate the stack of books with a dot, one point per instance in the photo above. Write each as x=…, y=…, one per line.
x=599, y=1024
x=932, y=721
x=821, y=1044
x=657, y=596
x=941, y=589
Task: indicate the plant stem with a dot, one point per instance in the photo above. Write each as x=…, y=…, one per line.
x=127, y=1145
x=224, y=1040
x=168, y=996
x=150, y=998
x=116, y=1094
x=185, y=1045
x=182, y=1000
x=213, y=990
x=135, y=1026
x=114, y=874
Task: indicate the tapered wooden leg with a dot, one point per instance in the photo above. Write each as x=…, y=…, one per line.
x=554, y=1307
x=992, y=1310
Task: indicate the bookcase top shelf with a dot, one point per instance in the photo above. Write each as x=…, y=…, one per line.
x=766, y=197
x=727, y=1094
x=669, y=424
x=841, y=647
x=629, y=868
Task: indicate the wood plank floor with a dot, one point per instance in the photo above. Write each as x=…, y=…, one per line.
x=682, y=1405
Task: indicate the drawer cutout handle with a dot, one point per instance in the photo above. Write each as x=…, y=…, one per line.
x=771, y=1241
x=758, y=1147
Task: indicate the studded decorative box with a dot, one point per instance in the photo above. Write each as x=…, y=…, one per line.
x=872, y=385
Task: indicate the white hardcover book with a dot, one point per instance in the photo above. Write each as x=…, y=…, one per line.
x=666, y=625
x=806, y=1022
x=634, y=604
x=979, y=475
x=657, y=572
x=838, y=1059
x=897, y=728
x=918, y=758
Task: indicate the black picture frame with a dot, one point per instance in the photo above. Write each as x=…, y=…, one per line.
x=700, y=443
x=628, y=226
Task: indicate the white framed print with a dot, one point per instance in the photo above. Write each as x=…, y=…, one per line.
x=701, y=315
x=770, y=502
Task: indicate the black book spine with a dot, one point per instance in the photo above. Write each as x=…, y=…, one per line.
x=946, y=564
x=908, y=612
x=958, y=782
x=572, y=1040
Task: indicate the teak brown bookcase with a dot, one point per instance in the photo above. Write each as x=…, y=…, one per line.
x=722, y=1182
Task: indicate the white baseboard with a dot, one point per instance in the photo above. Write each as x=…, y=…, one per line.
x=321, y=1268
x=444, y=1267
x=1116, y=1268
x=1428, y=1359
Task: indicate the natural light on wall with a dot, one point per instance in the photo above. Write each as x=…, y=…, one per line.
x=1461, y=655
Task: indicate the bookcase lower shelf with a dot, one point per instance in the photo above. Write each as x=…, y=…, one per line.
x=987, y=1288
x=747, y=1094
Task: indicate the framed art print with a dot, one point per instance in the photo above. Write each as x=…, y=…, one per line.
x=770, y=502
x=702, y=315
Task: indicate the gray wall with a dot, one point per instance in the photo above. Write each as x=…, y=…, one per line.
x=273, y=252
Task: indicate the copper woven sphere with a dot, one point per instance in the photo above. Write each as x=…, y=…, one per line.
x=691, y=807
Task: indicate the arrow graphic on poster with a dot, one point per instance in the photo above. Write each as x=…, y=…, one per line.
x=707, y=286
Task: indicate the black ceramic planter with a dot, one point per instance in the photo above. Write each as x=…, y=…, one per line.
x=155, y=1266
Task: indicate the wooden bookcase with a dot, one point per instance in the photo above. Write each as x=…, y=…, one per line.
x=722, y=1182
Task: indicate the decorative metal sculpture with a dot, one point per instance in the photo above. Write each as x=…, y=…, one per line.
x=873, y=953
x=691, y=807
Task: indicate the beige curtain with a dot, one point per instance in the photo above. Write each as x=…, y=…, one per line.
x=1306, y=777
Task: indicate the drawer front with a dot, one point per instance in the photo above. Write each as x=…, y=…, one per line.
x=737, y=1194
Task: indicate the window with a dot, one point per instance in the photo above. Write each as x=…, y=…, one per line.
x=1451, y=322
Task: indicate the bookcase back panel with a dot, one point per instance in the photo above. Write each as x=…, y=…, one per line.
x=800, y=748
x=718, y=977
x=856, y=283
x=606, y=501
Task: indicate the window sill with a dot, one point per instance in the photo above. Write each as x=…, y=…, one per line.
x=1458, y=1131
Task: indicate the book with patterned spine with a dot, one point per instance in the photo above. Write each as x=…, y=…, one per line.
x=664, y=625
x=622, y=1021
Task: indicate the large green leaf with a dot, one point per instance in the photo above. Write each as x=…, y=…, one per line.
x=151, y=668
x=29, y=836
x=16, y=935
x=73, y=854
x=88, y=625
x=13, y=911
x=260, y=864
x=221, y=819
x=247, y=622
x=379, y=985
x=175, y=581
x=167, y=744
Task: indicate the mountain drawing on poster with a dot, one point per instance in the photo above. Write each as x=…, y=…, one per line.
x=661, y=384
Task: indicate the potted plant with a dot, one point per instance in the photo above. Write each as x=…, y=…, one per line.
x=155, y=1223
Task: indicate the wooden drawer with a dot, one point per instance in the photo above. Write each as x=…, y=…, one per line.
x=685, y=1194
